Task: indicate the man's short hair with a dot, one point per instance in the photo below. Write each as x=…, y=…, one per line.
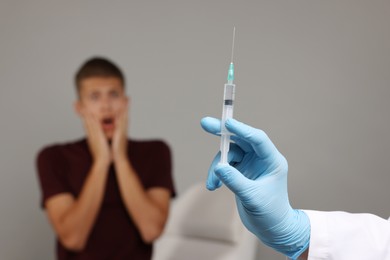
x=98, y=67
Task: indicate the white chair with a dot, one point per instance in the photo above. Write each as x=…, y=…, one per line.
x=205, y=225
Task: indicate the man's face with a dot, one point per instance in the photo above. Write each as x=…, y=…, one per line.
x=104, y=98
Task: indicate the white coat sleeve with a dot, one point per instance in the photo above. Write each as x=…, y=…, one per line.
x=345, y=236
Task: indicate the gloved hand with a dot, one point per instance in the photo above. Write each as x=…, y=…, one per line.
x=258, y=177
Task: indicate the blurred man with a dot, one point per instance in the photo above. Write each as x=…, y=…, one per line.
x=107, y=197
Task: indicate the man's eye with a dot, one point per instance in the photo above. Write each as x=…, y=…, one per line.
x=94, y=96
x=114, y=94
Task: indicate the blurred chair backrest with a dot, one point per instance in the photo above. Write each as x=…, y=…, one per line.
x=207, y=221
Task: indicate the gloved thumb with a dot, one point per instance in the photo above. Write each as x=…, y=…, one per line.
x=232, y=178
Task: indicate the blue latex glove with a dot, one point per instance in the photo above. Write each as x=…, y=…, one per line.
x=258, y=177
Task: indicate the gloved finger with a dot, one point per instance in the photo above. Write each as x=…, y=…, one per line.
x=232, y=178
x=212, y=182
x=211, y=125
x=235, y=155
x=259, y=140
x=244, y=145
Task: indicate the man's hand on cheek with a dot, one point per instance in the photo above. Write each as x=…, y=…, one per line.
x=119, y=141
x=96, y=138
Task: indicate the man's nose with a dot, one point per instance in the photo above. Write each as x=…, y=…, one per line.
x=106, y=104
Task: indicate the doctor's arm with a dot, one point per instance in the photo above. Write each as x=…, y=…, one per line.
x=257, y=174
x=258, y=177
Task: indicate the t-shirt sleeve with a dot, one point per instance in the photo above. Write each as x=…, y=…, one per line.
x=51, y=173
x=162, y=168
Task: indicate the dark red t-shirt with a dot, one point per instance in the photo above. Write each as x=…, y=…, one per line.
x=63, y=169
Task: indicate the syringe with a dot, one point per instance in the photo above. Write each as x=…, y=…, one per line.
x=227, y=108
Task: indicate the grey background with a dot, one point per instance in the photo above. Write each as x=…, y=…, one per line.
x=313, y=74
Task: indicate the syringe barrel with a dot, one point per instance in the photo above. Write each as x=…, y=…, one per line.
x=228, y=104
x=227, y=112
x=229, y=92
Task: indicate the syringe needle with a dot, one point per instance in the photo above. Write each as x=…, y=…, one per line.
x=234, y=36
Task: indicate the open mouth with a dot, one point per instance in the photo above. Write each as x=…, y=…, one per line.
x=108, y=123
